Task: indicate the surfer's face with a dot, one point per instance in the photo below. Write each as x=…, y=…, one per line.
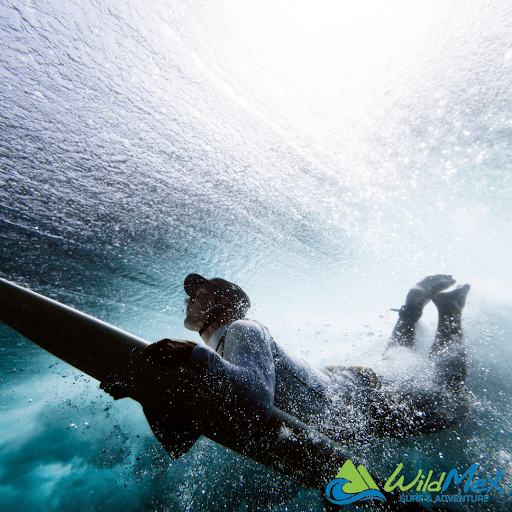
x=199, y=307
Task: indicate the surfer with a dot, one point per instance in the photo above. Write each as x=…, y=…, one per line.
x=350, y=405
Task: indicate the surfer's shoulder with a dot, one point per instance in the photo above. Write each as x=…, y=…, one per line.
x=245, y=324
x=246, y=327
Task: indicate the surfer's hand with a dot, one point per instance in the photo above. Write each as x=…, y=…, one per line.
x=115, y=390
x=166, y=352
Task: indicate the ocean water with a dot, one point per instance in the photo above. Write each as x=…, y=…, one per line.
x=323, y=155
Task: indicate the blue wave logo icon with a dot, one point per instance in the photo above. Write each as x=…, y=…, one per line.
x=352, y=484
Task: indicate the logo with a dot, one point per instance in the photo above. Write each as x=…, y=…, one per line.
x=476, y=490
x=352, y=484
x=356, y=484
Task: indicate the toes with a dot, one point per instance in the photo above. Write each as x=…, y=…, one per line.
x=446, y=281
x=436, y=283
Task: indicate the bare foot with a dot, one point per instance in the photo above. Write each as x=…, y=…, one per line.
x=419, y=295
x=453, y=301
x=423, y=292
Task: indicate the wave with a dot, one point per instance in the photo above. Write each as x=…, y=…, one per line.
x=339, y=497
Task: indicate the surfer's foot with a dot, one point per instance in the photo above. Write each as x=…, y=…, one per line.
x=419, y=295
x=449, y=328
x=423, y=292
x=452, y=301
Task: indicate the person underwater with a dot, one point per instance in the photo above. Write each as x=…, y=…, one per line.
x=348, y=404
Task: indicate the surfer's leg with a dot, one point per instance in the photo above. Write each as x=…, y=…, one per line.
x=431, y=410
x=448, y=352
x=411, y=412
x=419, y=295
x=414, y=412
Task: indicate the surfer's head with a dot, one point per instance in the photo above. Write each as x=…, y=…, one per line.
x=212, y=300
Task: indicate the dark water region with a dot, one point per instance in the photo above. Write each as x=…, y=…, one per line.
x=325, y=157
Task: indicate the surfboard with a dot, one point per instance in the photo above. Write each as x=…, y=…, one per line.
x=112, y=355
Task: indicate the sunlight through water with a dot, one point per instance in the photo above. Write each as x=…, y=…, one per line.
x=323, y=155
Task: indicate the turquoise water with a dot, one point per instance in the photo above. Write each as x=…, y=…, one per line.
x=325, y=157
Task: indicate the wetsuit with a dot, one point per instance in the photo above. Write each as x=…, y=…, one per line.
x=250, y=370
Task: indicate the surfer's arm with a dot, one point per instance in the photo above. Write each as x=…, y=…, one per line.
x=245, y=377
x=164, y=354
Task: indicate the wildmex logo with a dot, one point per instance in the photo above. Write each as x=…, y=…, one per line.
x=354, y=484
